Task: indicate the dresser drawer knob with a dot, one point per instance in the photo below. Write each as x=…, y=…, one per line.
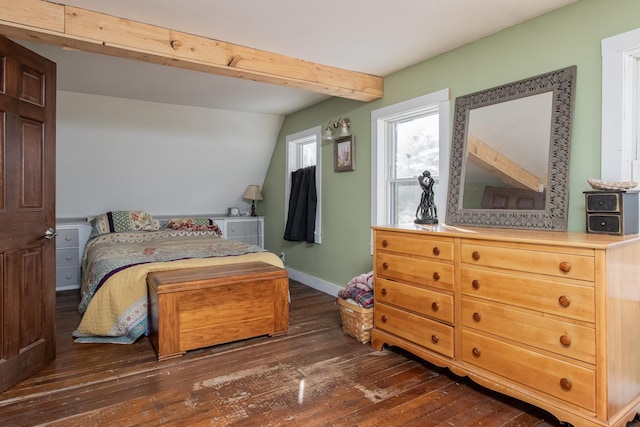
x=384, y=319
x=565, y=383
x=565, y=267
x=385, y=243
x=435, y=339
x=564, y=301
x=68, y=276
x=436, y=276
x=475, y=284
x=476, y=316
x=475, y=255
x=476, y=352
x=68, y=257
x=565, y=340
x=385, y=265
x=435, y=306
x=436, y=250
x=384, y=291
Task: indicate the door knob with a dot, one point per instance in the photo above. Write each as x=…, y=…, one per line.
x=50, y=233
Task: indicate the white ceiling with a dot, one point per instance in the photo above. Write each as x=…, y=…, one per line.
x=372, y=36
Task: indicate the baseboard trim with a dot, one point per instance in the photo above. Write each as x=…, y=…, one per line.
x=67, y=288
x=314, y=282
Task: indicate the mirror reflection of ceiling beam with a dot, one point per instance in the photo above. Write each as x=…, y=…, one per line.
x=81, y=29
x=499, y=165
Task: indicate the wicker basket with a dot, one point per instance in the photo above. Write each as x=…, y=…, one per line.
x=357, y=322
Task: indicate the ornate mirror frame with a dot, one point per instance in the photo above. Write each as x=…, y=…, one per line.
x=554, y=215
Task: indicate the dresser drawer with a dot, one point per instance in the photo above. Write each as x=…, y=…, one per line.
x=543, y=261
x=554, y=377
x=604, y=201
x=69, y=276
x=420, y=330
x=422, y=301
x=67, y=258
x=417, y=270
x=67, y=238
x=607, y=224
x=563, y=299
x=568, y=339
x=441, y=248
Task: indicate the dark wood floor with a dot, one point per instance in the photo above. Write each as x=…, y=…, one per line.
x=314, y=376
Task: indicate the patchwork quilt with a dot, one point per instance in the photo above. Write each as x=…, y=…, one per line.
x=115, y=268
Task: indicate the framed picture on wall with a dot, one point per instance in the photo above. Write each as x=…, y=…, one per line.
x=344, y=154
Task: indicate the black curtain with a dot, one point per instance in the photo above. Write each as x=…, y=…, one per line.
x=301, y=221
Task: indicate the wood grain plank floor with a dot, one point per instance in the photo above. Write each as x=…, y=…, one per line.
x=313, y=376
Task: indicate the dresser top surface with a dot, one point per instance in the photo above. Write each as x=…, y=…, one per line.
x=572, y=238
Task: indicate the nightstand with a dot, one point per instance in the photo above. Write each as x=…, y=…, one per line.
x=67, y=259
x=247, y=229
x=612, y=212
x=72, y=235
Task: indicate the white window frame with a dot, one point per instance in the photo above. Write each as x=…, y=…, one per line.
x=619, y=139
x=292, y=165
x=380, y=161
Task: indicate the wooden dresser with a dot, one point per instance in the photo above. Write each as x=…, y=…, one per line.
x=551, y=318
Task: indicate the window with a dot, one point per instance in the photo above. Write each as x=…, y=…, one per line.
x=303, y=150
x=620, y=113
x=408, y=138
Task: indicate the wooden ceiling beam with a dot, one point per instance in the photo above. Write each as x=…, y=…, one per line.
x=502, y=167
x=81, y=29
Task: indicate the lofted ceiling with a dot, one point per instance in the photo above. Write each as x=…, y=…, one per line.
x=376, y=37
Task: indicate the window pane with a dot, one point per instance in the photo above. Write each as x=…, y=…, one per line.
x=405, y=200
x=416, y=147
x=308, y=154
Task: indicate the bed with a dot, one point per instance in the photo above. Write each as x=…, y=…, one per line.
x=124, y=247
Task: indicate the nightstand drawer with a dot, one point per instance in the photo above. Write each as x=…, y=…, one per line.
x=69, y=276
x=237, y=229
x=67, y=258
x=67, y=238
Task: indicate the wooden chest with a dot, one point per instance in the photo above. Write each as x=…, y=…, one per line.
x=200, y=307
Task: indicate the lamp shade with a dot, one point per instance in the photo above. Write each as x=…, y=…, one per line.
x=252, y=193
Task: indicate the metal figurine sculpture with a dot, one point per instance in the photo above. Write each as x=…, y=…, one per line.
x=427, y=212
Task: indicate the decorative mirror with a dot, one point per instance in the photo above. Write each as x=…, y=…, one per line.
x=510, y=154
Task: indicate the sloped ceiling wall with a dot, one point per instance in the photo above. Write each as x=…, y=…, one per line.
x=115, y=153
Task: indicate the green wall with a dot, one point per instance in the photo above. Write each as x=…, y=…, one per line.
x=568, y=36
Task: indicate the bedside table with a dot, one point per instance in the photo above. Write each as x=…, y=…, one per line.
x=246, y=229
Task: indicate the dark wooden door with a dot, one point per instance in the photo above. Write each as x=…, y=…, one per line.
x=27, y=210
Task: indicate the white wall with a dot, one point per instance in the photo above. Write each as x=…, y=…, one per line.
x=121, y=154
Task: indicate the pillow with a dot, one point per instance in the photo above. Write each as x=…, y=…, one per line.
x=194, y=224
x=122, y=222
